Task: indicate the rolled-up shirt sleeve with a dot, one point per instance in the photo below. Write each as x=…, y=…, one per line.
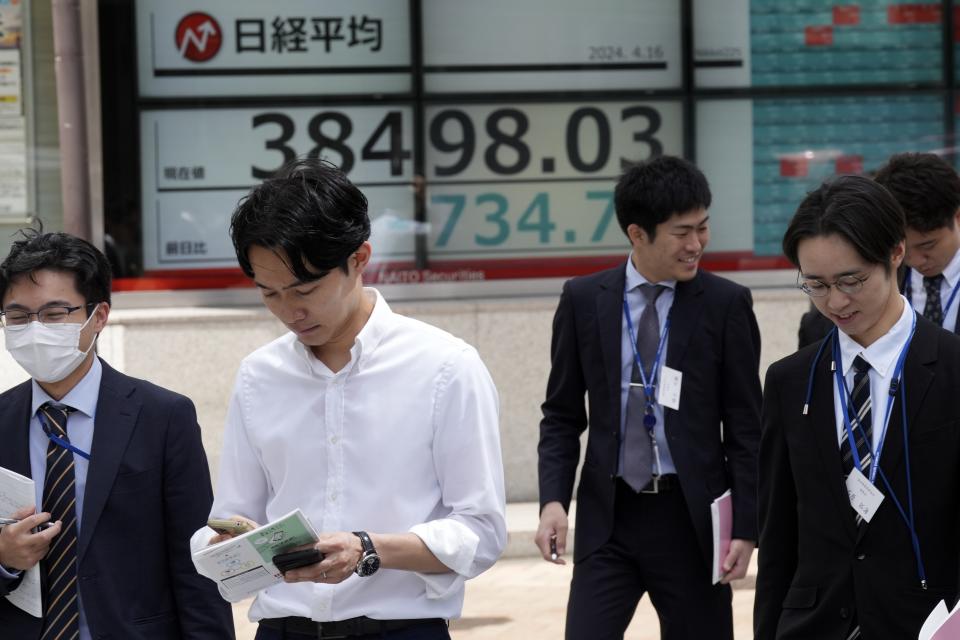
x=468, y=461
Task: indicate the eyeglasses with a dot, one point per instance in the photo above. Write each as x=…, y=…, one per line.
x=47, y=315
x=849, y=285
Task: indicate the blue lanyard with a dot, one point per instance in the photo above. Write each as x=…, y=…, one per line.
x=844, y=394
x=649, y=382
x=897, y=383
x=60, y=442
x=908, y=289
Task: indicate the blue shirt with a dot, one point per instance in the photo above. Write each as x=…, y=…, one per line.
x=83, y=397
x=636, y=303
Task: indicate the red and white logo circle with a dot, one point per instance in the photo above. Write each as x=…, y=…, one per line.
x=198, y=37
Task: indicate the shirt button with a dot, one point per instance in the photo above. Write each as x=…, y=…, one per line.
x=333, y=497
x=844, y=613
x=861, y=556
x=334, y=439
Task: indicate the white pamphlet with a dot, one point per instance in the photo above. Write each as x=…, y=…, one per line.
x=243, y=565
x=17, y=492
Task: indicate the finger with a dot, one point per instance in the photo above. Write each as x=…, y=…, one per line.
x=29, y=523
x=25, y=512
x=51, y=532
x=220, y=537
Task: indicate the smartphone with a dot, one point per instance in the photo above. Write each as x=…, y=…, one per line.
x=294, y=559
x=232, y=527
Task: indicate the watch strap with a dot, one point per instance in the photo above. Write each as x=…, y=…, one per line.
x=365, y=541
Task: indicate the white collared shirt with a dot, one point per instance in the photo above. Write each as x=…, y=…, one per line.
x=636, y=302
x=951, y=276
x=882, y=356
x=404, y=438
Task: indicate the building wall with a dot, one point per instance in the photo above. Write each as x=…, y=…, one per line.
x=197, y=351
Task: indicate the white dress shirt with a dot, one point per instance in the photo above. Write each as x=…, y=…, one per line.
x=83, y=397
x=636, y=302
x=882, y=356
x=404, y=438
x=951, y=276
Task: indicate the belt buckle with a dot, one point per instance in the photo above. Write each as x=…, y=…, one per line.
x=655, y=482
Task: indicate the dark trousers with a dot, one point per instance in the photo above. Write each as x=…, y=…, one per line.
x=428, y=631
x=653, y=550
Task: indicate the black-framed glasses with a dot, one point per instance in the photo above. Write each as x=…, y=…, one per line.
x=849, y=285
x=47, y=315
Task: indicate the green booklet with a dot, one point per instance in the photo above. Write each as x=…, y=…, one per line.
x=243, y=565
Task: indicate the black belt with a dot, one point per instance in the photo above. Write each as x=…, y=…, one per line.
x=343, y=628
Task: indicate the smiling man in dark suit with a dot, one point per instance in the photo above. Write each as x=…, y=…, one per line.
x=859, y=487
x=117, y=462
x=667, y=356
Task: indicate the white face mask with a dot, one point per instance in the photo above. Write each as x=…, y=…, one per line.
x=49, y=353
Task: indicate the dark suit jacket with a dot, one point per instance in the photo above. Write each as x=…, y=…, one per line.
x=815, y=565
x=148, y=489
x=714, y=341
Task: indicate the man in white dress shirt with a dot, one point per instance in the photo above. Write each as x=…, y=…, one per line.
x=382, y=429
x=928, y=189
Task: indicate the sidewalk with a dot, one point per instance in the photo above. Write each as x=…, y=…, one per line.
x=524, y=597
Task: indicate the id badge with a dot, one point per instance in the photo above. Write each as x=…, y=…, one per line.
x=668, y=393
x=864, y=497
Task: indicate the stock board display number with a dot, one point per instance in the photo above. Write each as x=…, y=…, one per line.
x=329, y=131
x=452, y=131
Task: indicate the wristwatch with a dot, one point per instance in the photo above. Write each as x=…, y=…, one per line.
x=369, y=560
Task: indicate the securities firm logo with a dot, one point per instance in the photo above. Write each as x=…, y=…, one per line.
x=198, y=37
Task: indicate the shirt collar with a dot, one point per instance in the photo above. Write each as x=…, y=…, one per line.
x=83, y=397
x=635, y=278
x=365, y=342
x=951, y=273
x=882, y=354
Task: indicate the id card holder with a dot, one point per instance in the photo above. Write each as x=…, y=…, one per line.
x=865, y=498
x=668, y=393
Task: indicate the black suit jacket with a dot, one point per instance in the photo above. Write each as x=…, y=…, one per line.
x=148, y=489
x=815, y=566
x=714, y=341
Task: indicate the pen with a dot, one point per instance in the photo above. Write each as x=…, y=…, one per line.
x=6, y=521
x=553, y=547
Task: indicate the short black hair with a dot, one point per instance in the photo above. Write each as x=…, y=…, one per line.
x=58, y=252
x=926, y=186
x=649, y=192
x=855, y=208
x=310, y=211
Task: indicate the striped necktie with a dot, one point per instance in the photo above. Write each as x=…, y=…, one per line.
x=61, y=620
x=860, y=418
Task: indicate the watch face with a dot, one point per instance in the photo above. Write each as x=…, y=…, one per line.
x=369, y=564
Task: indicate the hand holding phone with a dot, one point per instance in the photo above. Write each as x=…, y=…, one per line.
x=294, y=559
x=229, y=527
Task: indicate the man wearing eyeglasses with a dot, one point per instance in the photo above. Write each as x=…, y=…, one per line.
x=859, y=492
x=118, y=466
x=928, y=189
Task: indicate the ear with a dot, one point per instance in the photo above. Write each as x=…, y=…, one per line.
x=361, y=258
x=896, y=257
x=637, y=235
x=100, y=317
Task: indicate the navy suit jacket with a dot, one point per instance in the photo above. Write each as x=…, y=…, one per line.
x=148, y=489
x=714, y=436
x=816, y=567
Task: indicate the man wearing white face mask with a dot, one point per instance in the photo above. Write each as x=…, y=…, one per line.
x=118, y=465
